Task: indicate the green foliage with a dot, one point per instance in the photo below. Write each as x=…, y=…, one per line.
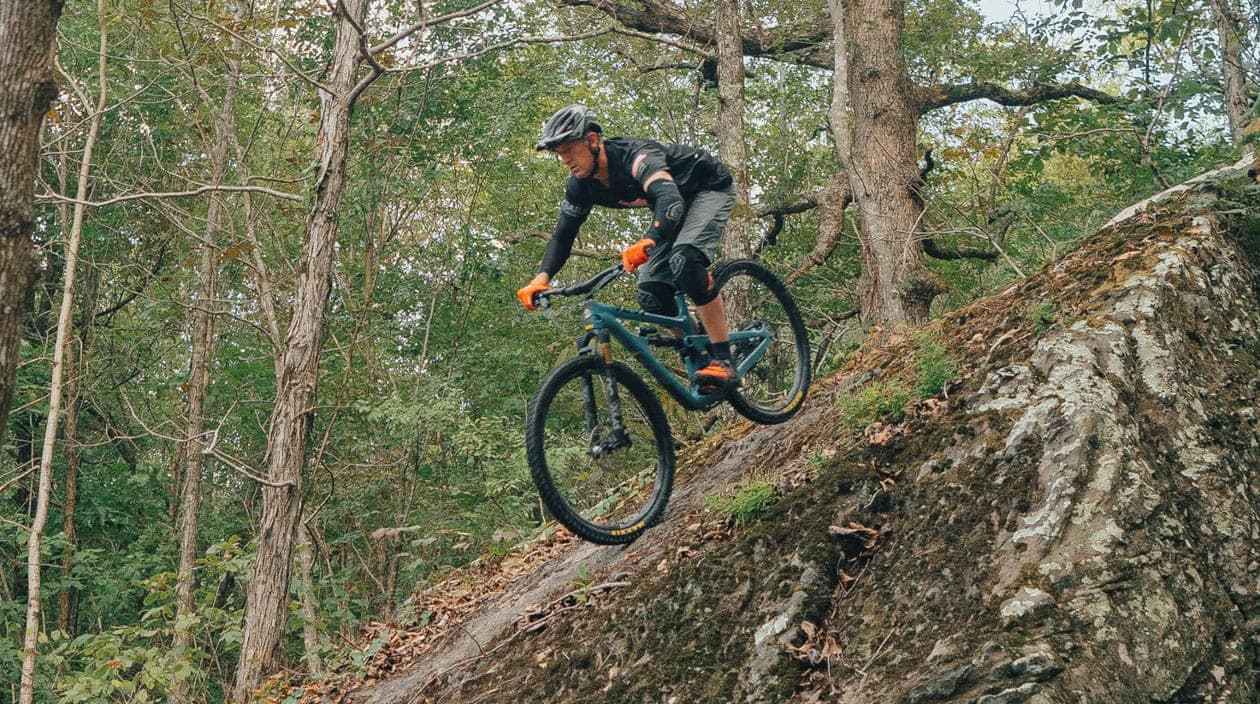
x=1043, y=316
x=746, y=504
x=935, y=366
x=883, y=401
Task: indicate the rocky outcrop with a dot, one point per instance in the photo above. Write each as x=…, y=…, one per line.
x=1075, y=520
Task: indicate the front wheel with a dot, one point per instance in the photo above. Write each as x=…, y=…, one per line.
x=606, y=479
x=768, y=341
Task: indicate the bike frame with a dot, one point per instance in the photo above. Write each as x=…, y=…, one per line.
x=604, y=321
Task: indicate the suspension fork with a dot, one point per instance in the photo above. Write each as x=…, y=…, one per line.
x=618, y=437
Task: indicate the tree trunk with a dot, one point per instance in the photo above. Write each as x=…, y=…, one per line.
x=27, y=89
x=730, y=123
x=30, y=644
x=310, y=612
x=203, y=314
x=1236, y=106
x=266, y=606
x=896, y=286
x=68, y=601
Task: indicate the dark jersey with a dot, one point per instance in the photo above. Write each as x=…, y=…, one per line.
x=630, y=162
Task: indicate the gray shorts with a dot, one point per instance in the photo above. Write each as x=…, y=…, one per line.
x=702, y=228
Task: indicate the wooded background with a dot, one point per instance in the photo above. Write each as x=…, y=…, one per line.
x=263, y=373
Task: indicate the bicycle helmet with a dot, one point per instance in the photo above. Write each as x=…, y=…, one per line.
x=569, y=123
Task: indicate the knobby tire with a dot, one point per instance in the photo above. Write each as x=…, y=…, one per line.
x=549, y=481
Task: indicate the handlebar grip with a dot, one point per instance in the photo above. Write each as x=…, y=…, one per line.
x=542, y=299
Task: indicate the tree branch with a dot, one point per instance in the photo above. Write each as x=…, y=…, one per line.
x=937, y=251
x=931, y=98
x=506, y=44
x=807, y=43
x=407, y=32
x=57, y=198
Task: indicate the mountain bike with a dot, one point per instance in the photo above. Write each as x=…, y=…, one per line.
x=599, y=444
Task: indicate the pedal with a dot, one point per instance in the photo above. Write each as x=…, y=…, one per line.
x=646, y=331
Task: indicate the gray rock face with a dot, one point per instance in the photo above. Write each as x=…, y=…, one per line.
x=1079, y=524
x=1141, y=428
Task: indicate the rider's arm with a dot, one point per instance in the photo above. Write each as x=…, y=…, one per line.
x=573, y=212
x=668, y=207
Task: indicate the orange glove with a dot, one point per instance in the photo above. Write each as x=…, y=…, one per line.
x=636, y=255
x=526, y=294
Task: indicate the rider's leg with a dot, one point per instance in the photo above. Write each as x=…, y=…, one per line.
x=713, y=317
x=656, y=296
x=693, y=250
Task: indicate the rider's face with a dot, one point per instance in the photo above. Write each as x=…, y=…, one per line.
x=577, y=156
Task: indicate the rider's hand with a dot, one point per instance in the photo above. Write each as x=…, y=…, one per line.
x=636, y=255
x=525, y=295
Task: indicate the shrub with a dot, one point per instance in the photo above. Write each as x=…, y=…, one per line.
x=746, y=504
x=879, y=401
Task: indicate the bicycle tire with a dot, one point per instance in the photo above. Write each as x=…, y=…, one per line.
x=774, y=389
x=619, y=507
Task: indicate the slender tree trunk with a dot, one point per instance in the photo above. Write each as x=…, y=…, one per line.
x=68, y=598
x=199, y=384
x=1232, y=70
x=203, y=314
x=30, y=645
x=68, y=601
x=730, y=123
x=267, y=598
x=839, y=113
x=27, y=88
x=310, y=612
x=896, y=287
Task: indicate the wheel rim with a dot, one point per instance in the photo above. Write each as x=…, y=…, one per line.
x=607, y=481
x=778, y=377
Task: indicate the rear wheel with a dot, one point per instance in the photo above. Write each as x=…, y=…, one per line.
x=605, y=481
x=765, y=323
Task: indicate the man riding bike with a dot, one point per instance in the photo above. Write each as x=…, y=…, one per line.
x=691, y=196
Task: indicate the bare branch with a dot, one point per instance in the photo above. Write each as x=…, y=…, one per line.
x=213, y=451
x=57, y=198
x=404, y=33
x=778, y=212
x=931, y=98
x=269, y=50
x=937, y=251
x=678, y=44
x=808, y=43
x=499, y=46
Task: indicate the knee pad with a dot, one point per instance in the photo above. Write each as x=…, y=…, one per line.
x=657, y=298
x=691, y=275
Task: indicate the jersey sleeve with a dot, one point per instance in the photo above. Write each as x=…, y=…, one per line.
x=573, y=211
x=647, y=160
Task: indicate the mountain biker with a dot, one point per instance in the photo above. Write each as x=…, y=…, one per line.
x=691, y=195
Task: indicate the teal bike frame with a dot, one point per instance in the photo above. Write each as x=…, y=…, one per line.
x=603, y=322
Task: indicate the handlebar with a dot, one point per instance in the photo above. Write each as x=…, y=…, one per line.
x=589, y=287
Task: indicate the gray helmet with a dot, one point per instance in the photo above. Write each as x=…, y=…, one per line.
x=569, y=123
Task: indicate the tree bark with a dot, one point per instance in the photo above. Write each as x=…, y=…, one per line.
x=266, y=607
x=1232, y=71
x=310, y=611
x=896, y=287
x=730, y=123
x=203, y=319
x=30, y=644
x=68, y=600
x=27, y=89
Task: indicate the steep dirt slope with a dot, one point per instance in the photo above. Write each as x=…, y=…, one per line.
x=1074, y=521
